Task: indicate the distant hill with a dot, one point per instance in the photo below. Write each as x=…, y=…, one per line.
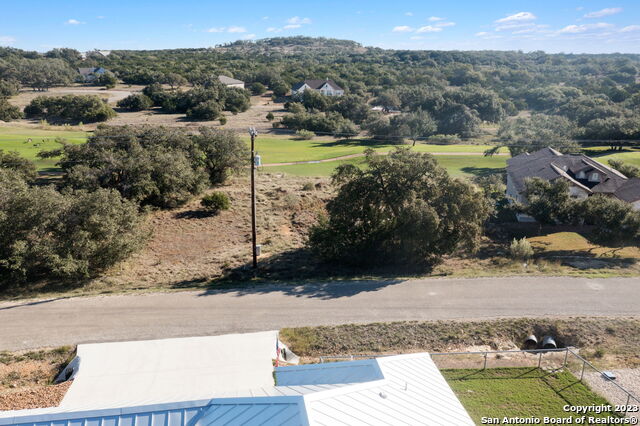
x=295, y=44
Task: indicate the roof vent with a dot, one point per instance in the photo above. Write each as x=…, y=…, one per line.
x=383, y=395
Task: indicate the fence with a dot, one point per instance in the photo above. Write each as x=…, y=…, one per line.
x=546, y=359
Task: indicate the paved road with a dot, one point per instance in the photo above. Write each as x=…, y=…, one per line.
x=157, y=315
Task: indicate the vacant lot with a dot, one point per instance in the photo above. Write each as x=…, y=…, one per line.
x=520, y=392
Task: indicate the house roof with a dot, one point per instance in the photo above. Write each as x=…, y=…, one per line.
x=550, y=164
x=317, y=84
x=629, y=191
x=228, y=80
x=87, y=71
x=404, y=389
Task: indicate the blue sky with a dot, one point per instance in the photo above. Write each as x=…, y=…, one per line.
x=591, y=26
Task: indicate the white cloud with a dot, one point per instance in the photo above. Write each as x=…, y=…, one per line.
x=7, y=40
x=435, y=18
x=445, y=24
x=298, y=20
x=482, y=33
x=265, y=18
x=215, y=30
x=73, y=22
x=416, y=38
x=630, y=28
x=428, y=29
x=402, y=29
x=408, y=13
x=291, y=26
x=234, y=29
x=574, y=29
x=604, y=12
x=517, y=17
x=100, y=17
x=274, y=30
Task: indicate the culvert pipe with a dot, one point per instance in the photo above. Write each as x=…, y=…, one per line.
x=549, y=342
x=531, y=342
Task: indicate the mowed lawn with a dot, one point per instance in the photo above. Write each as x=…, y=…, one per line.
x=17, y=139
x=572, y=243
x=284, y=149
x=520, y=392
x=456, y=165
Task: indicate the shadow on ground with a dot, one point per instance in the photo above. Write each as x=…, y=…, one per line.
x=298, y=273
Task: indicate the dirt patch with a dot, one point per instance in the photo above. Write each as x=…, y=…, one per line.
x=26, y=378
x=190, y=246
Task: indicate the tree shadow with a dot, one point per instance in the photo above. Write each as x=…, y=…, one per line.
x=481, y=171
x=298, y=273
x=193, y=214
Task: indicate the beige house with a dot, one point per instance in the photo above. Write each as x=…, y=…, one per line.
x=585, y=176
x=231, y=82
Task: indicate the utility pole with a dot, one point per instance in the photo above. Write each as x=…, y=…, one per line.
x=253, y=133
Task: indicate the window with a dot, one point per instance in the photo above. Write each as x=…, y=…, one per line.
x=581, y=175
x=595, y=177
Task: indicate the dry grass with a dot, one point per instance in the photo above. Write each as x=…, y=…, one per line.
x=607, y=341
x=26, y=378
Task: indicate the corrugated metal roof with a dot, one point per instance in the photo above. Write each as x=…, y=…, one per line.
x=396, y=390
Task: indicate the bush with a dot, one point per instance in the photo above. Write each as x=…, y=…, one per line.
x=107, y=80
x=209, y=110
x=614, y=220
x=304, y=134
x=223, y=120
x=308, y=186
x=216, y=202
x=85, y=108
x=9, y=112
x=136, y=102
x=520, y=249
x=401, y=208
x=270, y=116
x=258, y=88
x=18, y=165
x=155, y=166
x=45, y=233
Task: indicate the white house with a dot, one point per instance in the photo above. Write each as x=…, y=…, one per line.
x=326, y=87
x=585, y=176
x=231, y=82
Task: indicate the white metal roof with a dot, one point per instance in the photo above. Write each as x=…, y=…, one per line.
x=125, y=374
x=396, y=390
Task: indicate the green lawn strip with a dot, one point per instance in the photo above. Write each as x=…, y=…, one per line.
x=520, y=392
x=12, y=139
x=281, y=150
x=456, y=165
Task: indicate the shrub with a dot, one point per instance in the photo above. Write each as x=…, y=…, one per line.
x=45, y=233
x=107, y=79
x=270, y=116
x=216, y=202
x=136, y=102
x=258, y=88
x=308, y=186
x=154, y=166
x=222, y=120
x=402, y=208
x=85, y=108
x=9, y=112
x=520, y=249
x=305, y=134
x=18, y=165
x=208, y=110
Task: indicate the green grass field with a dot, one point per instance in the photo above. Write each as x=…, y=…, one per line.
x=456, y=165
x=519, y=392
x=17, y=139
x=282, y=149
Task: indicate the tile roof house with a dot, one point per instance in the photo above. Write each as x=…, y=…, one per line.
x=326, y=87
x=231, y=82
x=585, y=176
x=394, y=390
